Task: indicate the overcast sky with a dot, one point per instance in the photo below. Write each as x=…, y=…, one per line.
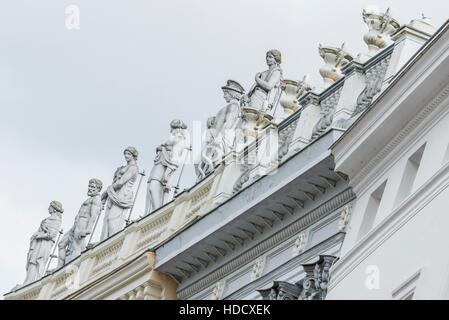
x=72, y=100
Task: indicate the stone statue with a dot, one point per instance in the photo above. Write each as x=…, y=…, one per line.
x=266, y=90
x=227, y=118
x=212, y=152
x=221, y=130
x=118, y=198
x=167, y=160
x=42, y=241
x=74, y=241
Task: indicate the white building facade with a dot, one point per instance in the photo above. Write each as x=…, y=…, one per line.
x=397, y=159
x=351, y=205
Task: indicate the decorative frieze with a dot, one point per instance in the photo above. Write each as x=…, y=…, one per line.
x=218, y=290
x=285, y=138
x=281, y=236
x=258, y=268
x=300, y=243
x=327, y=114
x=374, y=79
x=344, y=217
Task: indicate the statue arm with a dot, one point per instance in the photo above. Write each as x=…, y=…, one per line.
x=44, y=231
x=95, y=210
x=231, y=117
x=128, y=175
x=104, y=196
x=250, y=92
x=170, y=141
x=48, y=235
x=271, y=83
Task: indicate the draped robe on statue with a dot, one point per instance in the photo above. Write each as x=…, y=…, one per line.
x=119, y=201
x=260, y=98
x=40, y=249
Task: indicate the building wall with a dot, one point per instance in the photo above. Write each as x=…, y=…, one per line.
x=396, y=244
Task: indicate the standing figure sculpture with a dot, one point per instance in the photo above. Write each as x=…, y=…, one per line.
x=118, y=198
x=221, y=132
x=266, y=90
x=167, y=160
x=228, y=116
x=212, y=152
x=257, y=105
x=74, y=241
x=42, y=241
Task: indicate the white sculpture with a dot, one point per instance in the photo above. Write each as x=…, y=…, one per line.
x=221, y=130
x=261, y=98
x=293, y=91
x=119, y=195
x=228, y=116
x=74, y=241
x=42, y=241
x=380, y=28
x=265, y=90
x=213, y=150
x=335, y=59
x=167, y=160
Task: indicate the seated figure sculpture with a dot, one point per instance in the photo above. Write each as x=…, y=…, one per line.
x=221, y=133
x=168, y=157
x=42, y=241
x=118, y=198
x=74, y=241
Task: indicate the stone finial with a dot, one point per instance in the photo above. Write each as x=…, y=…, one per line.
x=380, y=27
x=292, y=92
x=335, y=59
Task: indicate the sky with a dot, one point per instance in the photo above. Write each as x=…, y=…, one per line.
x=71, y=100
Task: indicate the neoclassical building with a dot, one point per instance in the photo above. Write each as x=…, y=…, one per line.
x=340, y=194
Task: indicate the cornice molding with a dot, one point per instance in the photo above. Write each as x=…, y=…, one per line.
x=287, y=232
x=294, y=263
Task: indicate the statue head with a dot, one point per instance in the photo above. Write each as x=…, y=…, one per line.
x=94, y=188
x=274, y=56
x=178, y=124
x=131, y=151
x=178, y=128
x=56, y=206
x=232, y=90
